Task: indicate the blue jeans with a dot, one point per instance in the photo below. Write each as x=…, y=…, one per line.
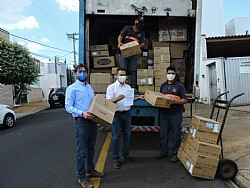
x=130, y=63
x=86, y=133
x=122, y=121
x=167, y=123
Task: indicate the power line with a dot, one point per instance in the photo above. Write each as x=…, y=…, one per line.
x=40, y=43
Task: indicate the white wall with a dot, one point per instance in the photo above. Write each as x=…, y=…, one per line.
x=238, y=26
x=204, y=78
x=213, y=18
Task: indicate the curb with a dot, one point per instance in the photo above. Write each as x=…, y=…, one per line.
x=241, y=181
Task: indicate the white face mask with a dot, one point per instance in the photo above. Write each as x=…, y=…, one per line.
x=121, y=79
x=170, y=77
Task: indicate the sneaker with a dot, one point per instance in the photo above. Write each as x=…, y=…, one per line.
x=174, y=159
x=95, y=174
x=85, y=184
x=117, y=164
x=161, y=157
x=129, y=160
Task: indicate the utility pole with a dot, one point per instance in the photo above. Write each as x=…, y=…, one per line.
x=72, y=36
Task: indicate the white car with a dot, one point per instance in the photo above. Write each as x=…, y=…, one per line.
x=7, y=116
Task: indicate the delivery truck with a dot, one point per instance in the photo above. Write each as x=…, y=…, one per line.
x=171, y=26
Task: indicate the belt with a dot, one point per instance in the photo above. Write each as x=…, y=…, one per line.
x=122, y=112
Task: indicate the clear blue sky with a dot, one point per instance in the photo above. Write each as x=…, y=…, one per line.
x=48, y=21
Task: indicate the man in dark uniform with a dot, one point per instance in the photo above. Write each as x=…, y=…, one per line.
x=171, y=118
x=128, y=34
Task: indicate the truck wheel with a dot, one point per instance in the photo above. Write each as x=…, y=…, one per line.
x=227, y=169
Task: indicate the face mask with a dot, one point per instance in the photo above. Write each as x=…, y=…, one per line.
x=170, y=77
x=122, y=79
x=82, y=76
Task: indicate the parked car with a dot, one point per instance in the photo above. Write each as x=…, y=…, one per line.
x=57, y=97
x=7, y=116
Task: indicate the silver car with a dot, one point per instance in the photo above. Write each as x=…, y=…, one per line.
x=7, y=116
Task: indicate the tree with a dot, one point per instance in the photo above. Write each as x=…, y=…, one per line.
x=17, y=67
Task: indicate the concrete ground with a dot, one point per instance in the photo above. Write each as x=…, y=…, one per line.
x=235, y=133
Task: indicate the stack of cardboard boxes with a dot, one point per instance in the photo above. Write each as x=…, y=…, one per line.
x=199, y=152
x=145, y=79
x=100, y=76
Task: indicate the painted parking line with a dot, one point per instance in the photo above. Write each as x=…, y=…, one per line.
x=102, y=159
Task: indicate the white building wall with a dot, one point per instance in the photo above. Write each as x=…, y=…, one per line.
x=238, y=26
x=213, y=18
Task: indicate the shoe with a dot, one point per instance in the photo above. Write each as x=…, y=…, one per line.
x=117, y=164
x=85, y=184
x=161, y=157
x=95, y=174
x=129, y=160
x=174, y=159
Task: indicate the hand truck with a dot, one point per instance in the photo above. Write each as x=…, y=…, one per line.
x=227, y=168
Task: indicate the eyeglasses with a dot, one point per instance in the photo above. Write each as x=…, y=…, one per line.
x=80, y=71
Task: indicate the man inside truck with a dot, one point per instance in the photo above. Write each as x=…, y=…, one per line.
x=171, y=118
x=128, y=34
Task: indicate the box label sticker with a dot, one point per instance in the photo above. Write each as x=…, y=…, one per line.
x=191, y=168
x=209, y=125
x=188, y=164
x=216, y=128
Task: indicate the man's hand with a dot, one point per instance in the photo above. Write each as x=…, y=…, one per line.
x=120, y=44
x=120, y=97
x=142, y=97
x=87, y=115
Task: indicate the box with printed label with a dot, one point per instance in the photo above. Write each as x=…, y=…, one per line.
x=102, y=47
x=203, y=136
x=205, y=124
x=203, y=148
x=145, y=81
x=103, y=110
x=99, y=53
x=158, y=73
x=160, y=81
x=145, y=73
x=130, y=49
x=104, y=62
x=100, y=81
x=157, y=99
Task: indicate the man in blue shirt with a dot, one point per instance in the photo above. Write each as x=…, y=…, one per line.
x=79, y=96
x=128, y=34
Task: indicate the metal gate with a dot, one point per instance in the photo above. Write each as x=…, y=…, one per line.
x=237, y=76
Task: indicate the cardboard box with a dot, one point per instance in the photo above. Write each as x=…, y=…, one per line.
x=99, y=53
x=99, y=88
x=199, y=159
x=130, y=49
x=157, y=88
x=159, y=44
x=104, y=62
x=151, y=54
x=161, y=66
x=194, y=169
x=104, y=70
x=158, y=73
x=160, y=81
x=203, y=148
x=177, y=49
x=203, y=136
x=163, y=58
x=157, y=99
x=205, y=124
x=143, y=63
x=103, y=47
x=100, y=78
x=103, y=110
x=143, y=88
x=161, y=51
x=145, y=73
x=145, y=81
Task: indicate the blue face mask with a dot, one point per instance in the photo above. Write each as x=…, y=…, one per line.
x=82, y=76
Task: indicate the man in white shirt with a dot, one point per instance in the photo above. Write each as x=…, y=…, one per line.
x=122, y=119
